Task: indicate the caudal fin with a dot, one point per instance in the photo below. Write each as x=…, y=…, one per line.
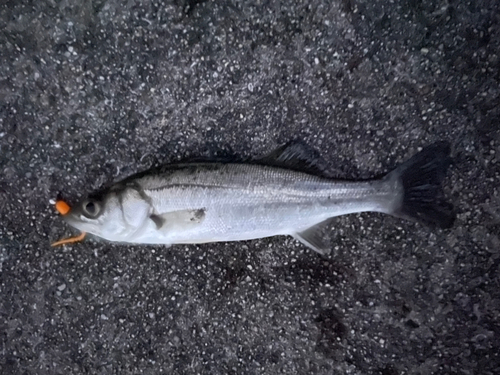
x=421, y=177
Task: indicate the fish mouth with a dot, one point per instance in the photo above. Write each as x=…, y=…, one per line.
x=73, y=220
x=70, y=219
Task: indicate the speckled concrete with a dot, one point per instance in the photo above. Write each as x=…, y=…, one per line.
x=92, y=91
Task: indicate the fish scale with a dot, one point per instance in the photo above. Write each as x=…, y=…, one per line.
x=211, y=202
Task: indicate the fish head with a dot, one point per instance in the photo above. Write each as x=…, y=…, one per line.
x=115, y=215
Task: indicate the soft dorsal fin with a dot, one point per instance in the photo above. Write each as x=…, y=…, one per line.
x=313, y=238
x=297, y=156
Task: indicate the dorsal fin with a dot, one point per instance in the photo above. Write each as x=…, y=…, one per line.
x=297, y=156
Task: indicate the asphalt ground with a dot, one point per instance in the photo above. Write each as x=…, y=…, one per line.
x=93, y=91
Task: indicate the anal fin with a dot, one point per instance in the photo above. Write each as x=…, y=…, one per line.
x=313, y=237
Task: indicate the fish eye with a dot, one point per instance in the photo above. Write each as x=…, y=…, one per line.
x=91, y=209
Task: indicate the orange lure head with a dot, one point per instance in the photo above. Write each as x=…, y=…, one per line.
x=63, y=208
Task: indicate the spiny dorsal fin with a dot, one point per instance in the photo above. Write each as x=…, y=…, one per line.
x=297, y=156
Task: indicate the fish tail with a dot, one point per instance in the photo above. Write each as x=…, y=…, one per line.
x=421, y=176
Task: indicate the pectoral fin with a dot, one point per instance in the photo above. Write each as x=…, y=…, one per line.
x=178, y=220
x=313, y=238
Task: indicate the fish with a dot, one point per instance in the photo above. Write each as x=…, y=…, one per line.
x=286, y=192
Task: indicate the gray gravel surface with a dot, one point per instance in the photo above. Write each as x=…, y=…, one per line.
x=93, y=91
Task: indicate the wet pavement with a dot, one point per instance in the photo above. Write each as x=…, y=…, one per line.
x=93, y=91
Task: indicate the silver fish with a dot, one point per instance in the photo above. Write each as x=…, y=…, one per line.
x=211, y=202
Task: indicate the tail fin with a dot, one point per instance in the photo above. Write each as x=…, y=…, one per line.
x=421, y=177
